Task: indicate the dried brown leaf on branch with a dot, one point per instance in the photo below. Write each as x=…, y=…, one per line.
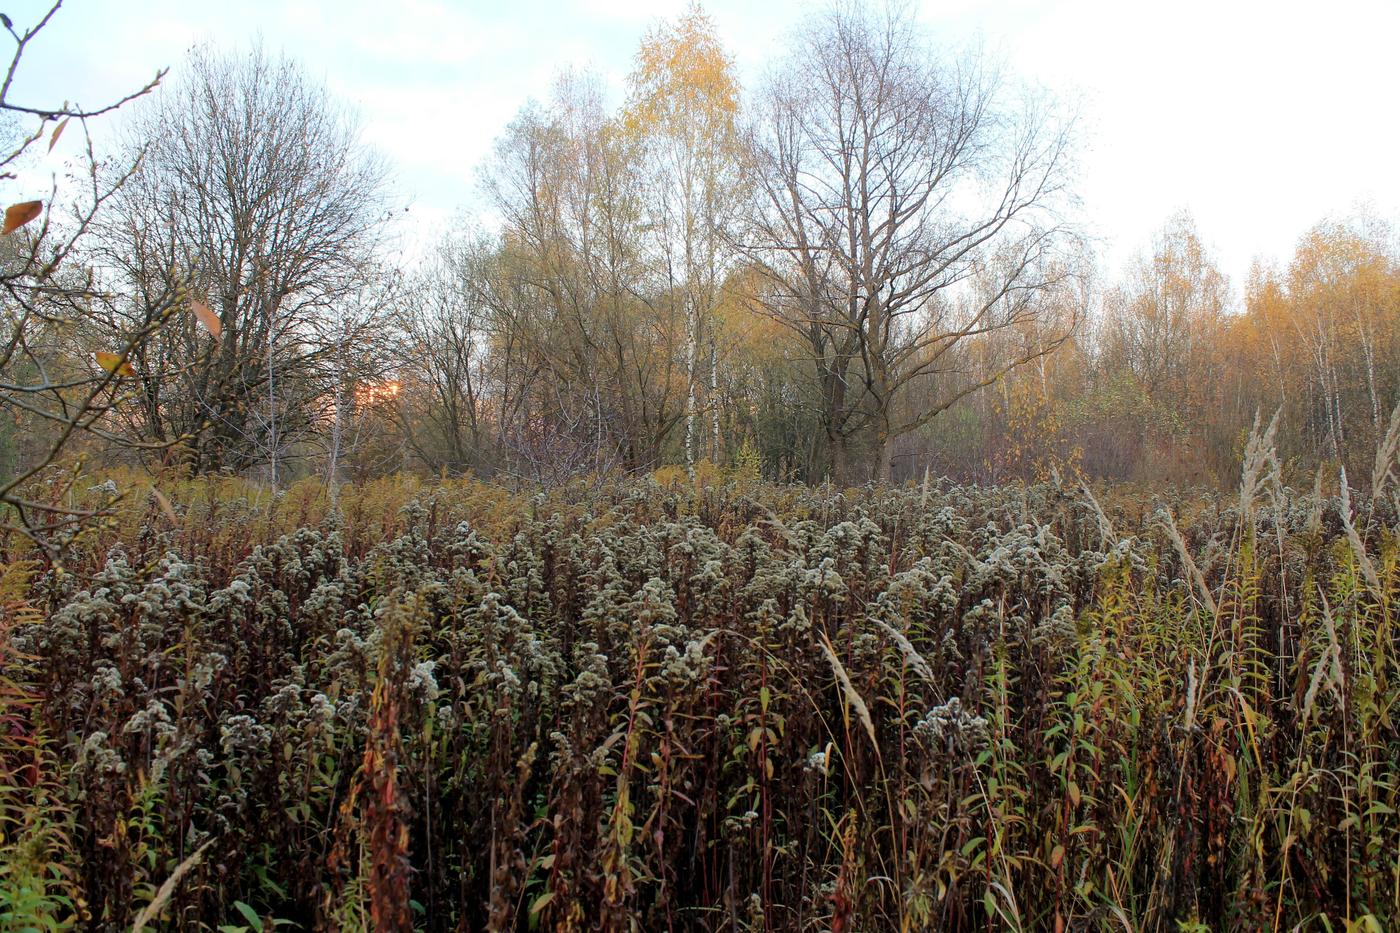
x=114, y=364
x=17, y=215
x=208, y=318
x=57, y=132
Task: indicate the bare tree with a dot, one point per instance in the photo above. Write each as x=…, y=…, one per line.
x=55, y=383
x=444, y=357
x=890, y=179
x=257, y=196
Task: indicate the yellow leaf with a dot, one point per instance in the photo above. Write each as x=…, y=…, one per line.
x=17, y=215
x=57, y=132
x=114, y=364
x=208, y=318
x=540, y=902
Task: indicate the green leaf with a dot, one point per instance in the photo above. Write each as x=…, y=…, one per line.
x=250, y=915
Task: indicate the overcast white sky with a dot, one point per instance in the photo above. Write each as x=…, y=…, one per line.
x=1259, y=118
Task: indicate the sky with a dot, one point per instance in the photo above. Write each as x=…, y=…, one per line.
x=1260, y=119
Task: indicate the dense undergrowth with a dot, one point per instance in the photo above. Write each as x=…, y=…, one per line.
x=741, y=707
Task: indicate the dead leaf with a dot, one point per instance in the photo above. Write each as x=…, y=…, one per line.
x=165, y=506
x=57, y=132
x=208, y=318
x=853, y=698
x=17, y=215
x=114, y=363
x=167, y=890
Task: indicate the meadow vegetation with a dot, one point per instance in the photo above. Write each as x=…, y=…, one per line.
x=711, y=705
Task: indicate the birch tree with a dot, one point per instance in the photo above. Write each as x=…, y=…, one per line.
x=683, y=104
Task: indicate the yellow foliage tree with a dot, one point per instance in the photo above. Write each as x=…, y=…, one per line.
x=683, y=101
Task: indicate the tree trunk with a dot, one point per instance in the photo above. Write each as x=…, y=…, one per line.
x=714, y=400
x=333, y=466
x=838, y=458
x=885, y=464
x=692, y=358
